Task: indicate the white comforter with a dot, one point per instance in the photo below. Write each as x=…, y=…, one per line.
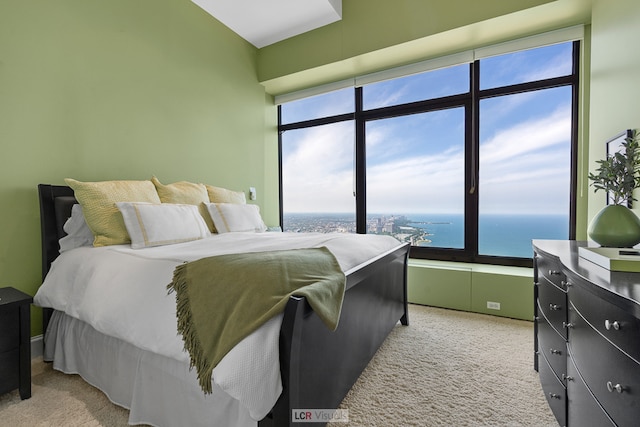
x=122, y=292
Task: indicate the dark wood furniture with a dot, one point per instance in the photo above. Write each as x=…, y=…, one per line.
x=318, y=367
x=15, y=345
x=587, y=337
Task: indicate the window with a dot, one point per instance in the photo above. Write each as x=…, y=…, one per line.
x=527, y=66
x=317, y=188
x=469, y=162
x=417, y=87
x=415, y=177
x=525, y=170
x=319, y=106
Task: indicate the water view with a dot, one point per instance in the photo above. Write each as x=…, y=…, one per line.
x=499, y=235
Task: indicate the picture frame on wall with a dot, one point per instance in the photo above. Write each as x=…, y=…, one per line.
x=614, y=145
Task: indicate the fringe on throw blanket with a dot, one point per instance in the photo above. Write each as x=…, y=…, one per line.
x=222, y=299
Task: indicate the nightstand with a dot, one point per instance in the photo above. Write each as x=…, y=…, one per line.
x=15, y=345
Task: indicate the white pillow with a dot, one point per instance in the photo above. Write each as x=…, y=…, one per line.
x=150, y=224
x=230, y=217
x=78, y=232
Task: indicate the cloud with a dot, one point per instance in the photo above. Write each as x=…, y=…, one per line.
x=386, y=94
x=318, y=169
x=521, y=167
x=324, y=105
x=433, y=183
x=527, y=65
x=560, y=65
x=526, y=137
x=412, y=168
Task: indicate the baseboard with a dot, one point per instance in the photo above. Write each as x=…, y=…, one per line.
x=37, y=346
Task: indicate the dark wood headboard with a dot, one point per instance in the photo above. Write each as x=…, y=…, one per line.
x=56, y=202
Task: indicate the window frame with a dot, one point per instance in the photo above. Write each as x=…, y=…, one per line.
x=470, y=101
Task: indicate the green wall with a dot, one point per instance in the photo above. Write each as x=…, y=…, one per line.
x=615, y=80
x=379, y=34
x=472, y=287
x=371, y=25
x=120, y=89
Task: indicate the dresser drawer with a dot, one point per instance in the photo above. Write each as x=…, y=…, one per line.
x=550, y=270
x=9, y=329
x=553, y=346
x=554, y=390
x=9, y=370
x=583, y=409
x=552, y=302
x=612, y=376
x=619, y=327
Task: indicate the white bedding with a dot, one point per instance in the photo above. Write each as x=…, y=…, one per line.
x=121, y=292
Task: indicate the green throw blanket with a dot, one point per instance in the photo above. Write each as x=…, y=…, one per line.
x=222, y=299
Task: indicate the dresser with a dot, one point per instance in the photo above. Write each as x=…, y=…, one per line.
x=586, y=337
x=15, y=345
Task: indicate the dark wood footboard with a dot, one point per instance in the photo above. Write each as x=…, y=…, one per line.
x=319, y=366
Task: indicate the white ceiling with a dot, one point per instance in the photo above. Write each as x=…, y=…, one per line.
x=264, y=22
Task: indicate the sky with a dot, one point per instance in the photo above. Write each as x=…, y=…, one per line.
x=415, y=164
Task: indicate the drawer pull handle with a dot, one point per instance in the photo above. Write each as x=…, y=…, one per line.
x=615, y=325
x=553, y=351
x=613, y=388
x=567, y=325
x=555, y=307
x=554, y=273
x=554, y=396
x=566, y=377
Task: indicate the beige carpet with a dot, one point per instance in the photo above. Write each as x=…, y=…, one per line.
x=448, y=368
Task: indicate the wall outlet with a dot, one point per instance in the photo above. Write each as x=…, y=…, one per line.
x=252, y=193
x=493, y=305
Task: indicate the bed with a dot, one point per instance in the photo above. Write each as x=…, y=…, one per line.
x=316, y=367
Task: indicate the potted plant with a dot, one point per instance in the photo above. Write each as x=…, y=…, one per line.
x=618, y=175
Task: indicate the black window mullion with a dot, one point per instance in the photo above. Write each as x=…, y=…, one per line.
x=574, y=141
x=361, y=166
x=526, y=87
x=416, y=107
x=315, y=122
x=280, y=201
x=473, y=162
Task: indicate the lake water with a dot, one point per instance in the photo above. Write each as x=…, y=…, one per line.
x=500, y=235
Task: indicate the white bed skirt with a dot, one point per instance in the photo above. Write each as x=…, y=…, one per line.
x=157, y=390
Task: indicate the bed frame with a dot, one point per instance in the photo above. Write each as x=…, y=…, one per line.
x=318, y=367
